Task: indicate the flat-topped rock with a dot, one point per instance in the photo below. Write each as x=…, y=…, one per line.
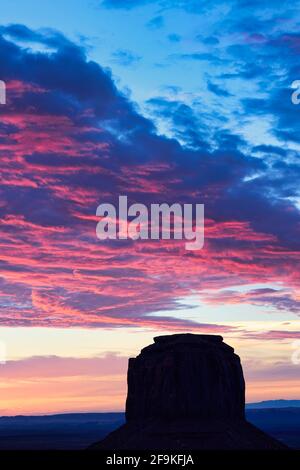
x=186, y=391
x=185, y=376
x=187, y=338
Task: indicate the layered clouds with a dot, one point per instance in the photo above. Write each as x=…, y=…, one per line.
x=71, y=140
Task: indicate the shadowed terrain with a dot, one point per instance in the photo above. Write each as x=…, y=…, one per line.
x=78, y=431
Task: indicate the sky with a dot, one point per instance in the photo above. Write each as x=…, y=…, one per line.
x=162, y=101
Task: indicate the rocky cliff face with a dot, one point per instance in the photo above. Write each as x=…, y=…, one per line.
x=186, y=376
x=186, y=391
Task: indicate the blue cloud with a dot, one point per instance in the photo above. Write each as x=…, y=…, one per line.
x=125, y=4
x=156, y=23
x=217, y=90
x=125, y=58
x=174, y=37
x=210, y=40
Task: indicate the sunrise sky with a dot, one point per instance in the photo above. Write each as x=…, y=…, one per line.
x=162, y=101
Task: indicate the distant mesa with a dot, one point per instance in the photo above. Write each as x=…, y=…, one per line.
x=186, y=391
x=267, y=404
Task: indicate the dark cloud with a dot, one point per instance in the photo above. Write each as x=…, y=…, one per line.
x=46, y=36
x=217, y=90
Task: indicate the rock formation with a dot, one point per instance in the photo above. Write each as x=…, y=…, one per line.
x=186, y=391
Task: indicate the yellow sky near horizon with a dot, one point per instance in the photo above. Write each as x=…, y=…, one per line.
x=84, y=370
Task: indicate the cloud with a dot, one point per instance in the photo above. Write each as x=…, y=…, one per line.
x=174, y=37
x=156, y=23
x=281, y=299
x=214, y=88
x=55, y=366
x=209, y=40
x=200, y=56
x=69, y=140
x=63, y=384
x=193, y=6
x=47, y=36
x=125, y=4
x=125, y=58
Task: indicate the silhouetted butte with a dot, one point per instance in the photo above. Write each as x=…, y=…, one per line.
x=186, y=391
